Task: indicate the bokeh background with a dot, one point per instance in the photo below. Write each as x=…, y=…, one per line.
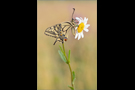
x=52, y=72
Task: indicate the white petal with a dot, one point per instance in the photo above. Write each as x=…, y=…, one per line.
x=86, y=29
x=75, y=28
x=82, y=34
x=79, y=22
x=78, y=18
x=81, y=18
x=79, y=36
x=86, y=26
x=85, y=21
x=76, y=32
x=76, y=35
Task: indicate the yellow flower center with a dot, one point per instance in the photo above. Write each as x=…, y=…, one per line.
x=80, y=27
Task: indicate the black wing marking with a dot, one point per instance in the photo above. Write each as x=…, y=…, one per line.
x=66, y=26
x=51, y=31
x=57, y=39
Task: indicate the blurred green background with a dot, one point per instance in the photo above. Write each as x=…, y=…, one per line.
x=52, y=72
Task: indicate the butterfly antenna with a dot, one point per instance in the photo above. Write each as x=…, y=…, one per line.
x=73, y=13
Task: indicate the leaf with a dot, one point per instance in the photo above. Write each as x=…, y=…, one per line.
x=71, y=87
x=73, y=77
x=62, y=56
x=61, y=48
x=69, y=56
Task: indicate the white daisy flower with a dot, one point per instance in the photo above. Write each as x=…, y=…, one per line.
x=81, y=26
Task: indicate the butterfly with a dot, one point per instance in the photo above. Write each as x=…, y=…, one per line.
x=60, y=31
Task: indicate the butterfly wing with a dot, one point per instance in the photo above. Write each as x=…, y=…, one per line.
x=52, y=31
x=73, y=31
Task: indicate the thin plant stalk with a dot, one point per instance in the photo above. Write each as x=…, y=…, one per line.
x=68, y=65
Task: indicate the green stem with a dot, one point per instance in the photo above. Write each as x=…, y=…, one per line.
x=71, y=75
x=63, y=47
x=68, y=65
